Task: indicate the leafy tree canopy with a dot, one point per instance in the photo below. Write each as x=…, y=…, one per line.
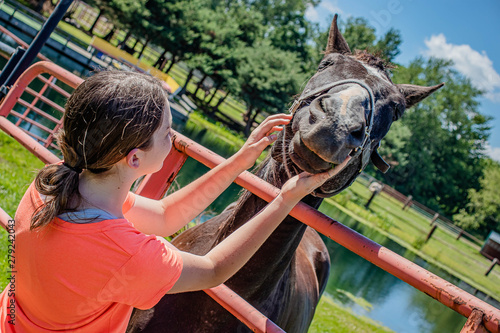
x=482, y=213
x=437, y=146
x=268, y=77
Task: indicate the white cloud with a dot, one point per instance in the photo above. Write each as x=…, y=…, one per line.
x=493, y=152
x=476, y=66
x=331, y=7
x=312, y=13
x=323, y=10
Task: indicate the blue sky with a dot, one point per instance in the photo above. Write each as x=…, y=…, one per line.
x=463, y=31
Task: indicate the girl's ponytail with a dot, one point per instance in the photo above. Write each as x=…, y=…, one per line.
x=59, y=184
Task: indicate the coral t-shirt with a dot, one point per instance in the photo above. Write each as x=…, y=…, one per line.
x=82, y=277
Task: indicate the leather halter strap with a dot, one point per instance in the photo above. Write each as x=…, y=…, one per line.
x=364, y=149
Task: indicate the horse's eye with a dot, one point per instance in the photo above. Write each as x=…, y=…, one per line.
x=325, y=64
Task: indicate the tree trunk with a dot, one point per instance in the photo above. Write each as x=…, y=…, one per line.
x=189, y=77
x=199, y=84
x=160, y=60
x=217, y=86
x=110, y=34
x=163, y=64
x=257, y=112
x=135, y=44
x=248, y=120
x=39, y=6
x=70, y=11
x=248, y=113
x=143, y=48
x=124, y=41
x=172, y=63
x=95, y=22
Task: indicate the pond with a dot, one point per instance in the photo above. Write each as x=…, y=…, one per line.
x=354, y=282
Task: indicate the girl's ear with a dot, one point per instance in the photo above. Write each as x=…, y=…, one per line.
x=133, y=159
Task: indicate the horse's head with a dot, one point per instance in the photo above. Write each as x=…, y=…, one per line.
x=346, y=108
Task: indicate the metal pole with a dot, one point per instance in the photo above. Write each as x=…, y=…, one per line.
x=9, y=66
x=35, y=47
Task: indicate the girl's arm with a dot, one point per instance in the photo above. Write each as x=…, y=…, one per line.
x=166, y=216
x=212, y=269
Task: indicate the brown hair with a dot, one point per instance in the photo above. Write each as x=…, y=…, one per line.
x=107, y=116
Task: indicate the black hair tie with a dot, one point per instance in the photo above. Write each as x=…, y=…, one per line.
x=75, y=169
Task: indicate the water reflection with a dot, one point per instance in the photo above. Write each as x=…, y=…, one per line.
x=394, y=303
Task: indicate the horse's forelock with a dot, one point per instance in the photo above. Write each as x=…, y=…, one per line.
x=375, y=60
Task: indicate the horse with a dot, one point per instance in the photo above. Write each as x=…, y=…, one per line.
x=345, y=110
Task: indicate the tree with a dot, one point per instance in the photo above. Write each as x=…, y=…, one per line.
x=268, y=78
x=104, y=10
x=219, y=45
x=282, y=23
x=37, y=5
x=439, y=153
x=482, y=213
x=182, y=25
x=126, y=14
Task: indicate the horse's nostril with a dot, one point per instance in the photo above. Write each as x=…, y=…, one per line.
x=357, y=133
x=316, y=115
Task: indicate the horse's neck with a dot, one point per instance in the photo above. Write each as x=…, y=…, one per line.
x=274, y=257
x=249, y=204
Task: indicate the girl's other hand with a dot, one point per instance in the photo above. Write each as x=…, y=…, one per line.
x=260, y=138
x=303, y=184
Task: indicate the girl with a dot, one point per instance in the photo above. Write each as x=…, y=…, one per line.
x=88, y=250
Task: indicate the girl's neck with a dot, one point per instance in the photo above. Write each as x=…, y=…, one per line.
x=106, y=191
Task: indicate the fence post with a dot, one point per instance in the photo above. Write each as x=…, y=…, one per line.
x=429, y=235
x=370, y=200
x=474, y=323
x=408, y=202
x=495, y=261
x=375, y=188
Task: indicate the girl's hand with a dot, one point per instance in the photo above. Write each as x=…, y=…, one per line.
x=303, y=184
x=260, y=138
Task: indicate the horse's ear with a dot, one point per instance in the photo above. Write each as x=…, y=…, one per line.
x=336, y=42
x=414, y=94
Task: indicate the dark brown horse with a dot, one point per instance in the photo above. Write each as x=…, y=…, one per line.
x=345, y=110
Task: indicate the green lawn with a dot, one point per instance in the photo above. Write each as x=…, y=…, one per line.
x=331, y=317
x=17, y=171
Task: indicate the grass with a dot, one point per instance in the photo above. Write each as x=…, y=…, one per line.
x=17, y=171
x=331, y=317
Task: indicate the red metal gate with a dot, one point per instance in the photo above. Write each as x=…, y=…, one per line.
x=482, y=317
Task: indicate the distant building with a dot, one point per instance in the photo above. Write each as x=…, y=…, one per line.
x=491, y=247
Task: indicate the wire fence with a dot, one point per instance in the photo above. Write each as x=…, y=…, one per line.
x=434, y=217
